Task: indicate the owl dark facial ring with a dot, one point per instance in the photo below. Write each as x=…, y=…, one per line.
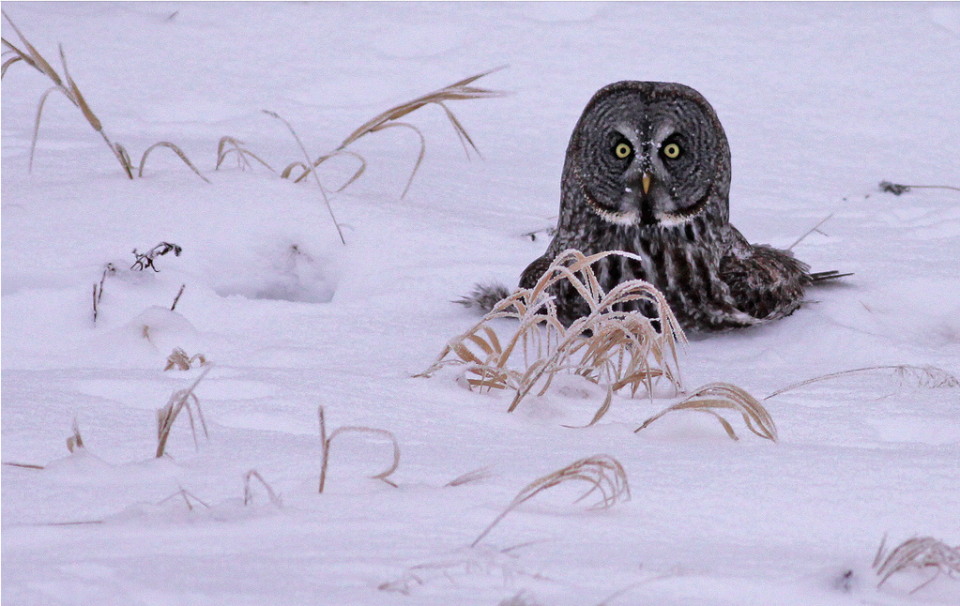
x=647, y=171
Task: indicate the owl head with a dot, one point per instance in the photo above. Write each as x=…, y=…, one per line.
x=648, y=153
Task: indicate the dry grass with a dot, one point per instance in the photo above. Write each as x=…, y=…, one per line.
x=177, y=151
x=179, y=359
x=75, y=441
x=242, y=154
x=176, y=299
x=108, y=269
x=917, y=553
x=724, y=396
x=180, y=400
x=306, y=156
x=66, y=86
x=248, y=489
x=612, y=348
x=325, y=443
x=23, y=465
x=922, y=376
x=477, y=475
x=458, y=91
x=603, y=473
x=187, y=497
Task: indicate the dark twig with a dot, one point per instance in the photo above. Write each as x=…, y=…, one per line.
x=177, y=298
x=145, y=260
x=897, y=188
x=98, y=292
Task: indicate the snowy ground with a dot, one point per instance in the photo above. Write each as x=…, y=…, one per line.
x=820, y=102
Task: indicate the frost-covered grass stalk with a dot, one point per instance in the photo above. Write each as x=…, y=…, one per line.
x=180, y=400
x=609, y=347
x=713, y=396
x=917, y=553
x=603, y=473
x=325, y=442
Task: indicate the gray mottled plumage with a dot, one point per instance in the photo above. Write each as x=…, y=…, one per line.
x=647, y=171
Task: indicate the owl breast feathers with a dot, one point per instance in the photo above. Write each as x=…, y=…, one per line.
x=647, y=171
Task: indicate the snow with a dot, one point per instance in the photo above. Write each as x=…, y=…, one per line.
x=819, y=101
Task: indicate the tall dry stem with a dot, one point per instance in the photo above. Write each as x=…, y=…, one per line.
x=180, y=400
x=325, y=445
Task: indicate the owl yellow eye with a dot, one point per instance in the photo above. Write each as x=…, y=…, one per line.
x=671, y=150
x=623, y=150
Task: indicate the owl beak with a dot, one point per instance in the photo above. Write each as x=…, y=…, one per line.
x=645, y=181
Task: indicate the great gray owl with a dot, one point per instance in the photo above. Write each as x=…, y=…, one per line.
x=647, y=171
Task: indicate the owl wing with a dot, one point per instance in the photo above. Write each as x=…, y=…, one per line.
x=765, y=282
x=532, y=274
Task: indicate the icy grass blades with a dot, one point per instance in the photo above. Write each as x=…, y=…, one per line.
x=183, y=398
x=31, y=56
x=602, y=472
x=922, y=376
x=325, y=442
x=730, y=397
x=917, y=553
x=608, y=347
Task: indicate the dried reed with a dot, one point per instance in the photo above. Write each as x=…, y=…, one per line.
x=476, y=475
x=223, y=151
x=458, y=91
x=725, y=396
x=323, y=192
x=917, y=553
x=98, y=291
x=602, y=472
x=66, y=85
x=177, y=151
x=325, y=444
x=923, y=376
x=75, y=441
x=183, y=398
x=248, y=490
x=187, y=496
x=613, y=348
x=177, y=298
x=179, y=359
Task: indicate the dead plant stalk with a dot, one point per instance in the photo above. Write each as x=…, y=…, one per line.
x=325, y=442
x=66, y=86
x=610, y=347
